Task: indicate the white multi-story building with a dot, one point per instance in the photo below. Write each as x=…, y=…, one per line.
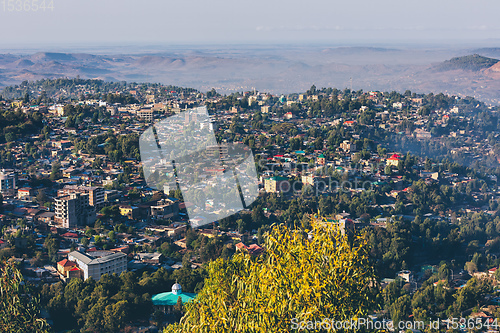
x=104, y=262
x=96, y=194
x=74, y=210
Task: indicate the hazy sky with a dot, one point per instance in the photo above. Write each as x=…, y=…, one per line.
x=115, y=22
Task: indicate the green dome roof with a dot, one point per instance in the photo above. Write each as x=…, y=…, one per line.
x=170, y=298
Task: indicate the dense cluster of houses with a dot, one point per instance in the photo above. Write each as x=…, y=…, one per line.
x=84, y=189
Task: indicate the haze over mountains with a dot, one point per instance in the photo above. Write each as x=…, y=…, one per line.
x=282, y=69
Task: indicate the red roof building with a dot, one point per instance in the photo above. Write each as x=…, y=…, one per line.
x=68, y=269
x=253, y=249
x=393, y=160
x=66, y=263
x=70, y=235
x=394, y=157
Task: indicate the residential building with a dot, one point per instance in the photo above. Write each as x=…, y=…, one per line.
x=427, y=174
x=219, y=151
x=68, y=269
x=63, y=144
x=393, y=160
x=149, y=258
x=406, y=275
x=24, y=192
x=348, y=146
x=74, y=210
x=169, y=186
x=131, y=212
x=8, y=182
x=422, y=134
x=165, y=208
x=96, y=194
x=112, y=195
x=102, y=262
x=252, y=249
x=146, y=114
x=345, y=225
x=276, y=184
x=46, y=217
x=321, y=160
x=175, y=230
x=308, y=179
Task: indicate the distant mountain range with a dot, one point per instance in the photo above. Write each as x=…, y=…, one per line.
x=493, y=52
x=277, y=69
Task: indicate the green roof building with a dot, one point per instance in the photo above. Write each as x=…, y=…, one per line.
x=321, y=160
x=276, y=184
x=169, y=299
x=278, y=178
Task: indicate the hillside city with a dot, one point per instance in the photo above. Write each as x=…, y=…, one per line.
x=415, y=174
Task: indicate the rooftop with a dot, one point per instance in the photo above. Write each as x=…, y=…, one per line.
x=278, y=178
x=169, y=298
x=90, y=260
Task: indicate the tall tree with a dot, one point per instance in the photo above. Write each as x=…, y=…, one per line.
x=327, y=276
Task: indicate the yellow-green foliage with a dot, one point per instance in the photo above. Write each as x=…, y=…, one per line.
x=19, y=311
x=326, y=276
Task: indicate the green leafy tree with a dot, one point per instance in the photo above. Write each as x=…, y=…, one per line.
x=56, y=171
x=52, y=245
x=19, y=308
x=400, y=309
x=178, y=307
x=41, y=197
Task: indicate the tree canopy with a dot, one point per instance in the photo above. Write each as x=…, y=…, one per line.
x=19, y=310
x=327, y=275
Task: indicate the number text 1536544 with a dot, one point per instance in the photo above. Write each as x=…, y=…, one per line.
x=27, y=5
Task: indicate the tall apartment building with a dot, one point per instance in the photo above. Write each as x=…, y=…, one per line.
x=218, y=151
x=74, y=210
x=146, y=114
x=276, y=184
x=309, y=179
x=165, y=208
x=102, y=262
x=8, y=182
x=96, y=194
x=348, y=146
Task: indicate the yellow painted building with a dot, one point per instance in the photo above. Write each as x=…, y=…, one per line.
x=276, y=184
x=393, y=160
x=129, y=211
